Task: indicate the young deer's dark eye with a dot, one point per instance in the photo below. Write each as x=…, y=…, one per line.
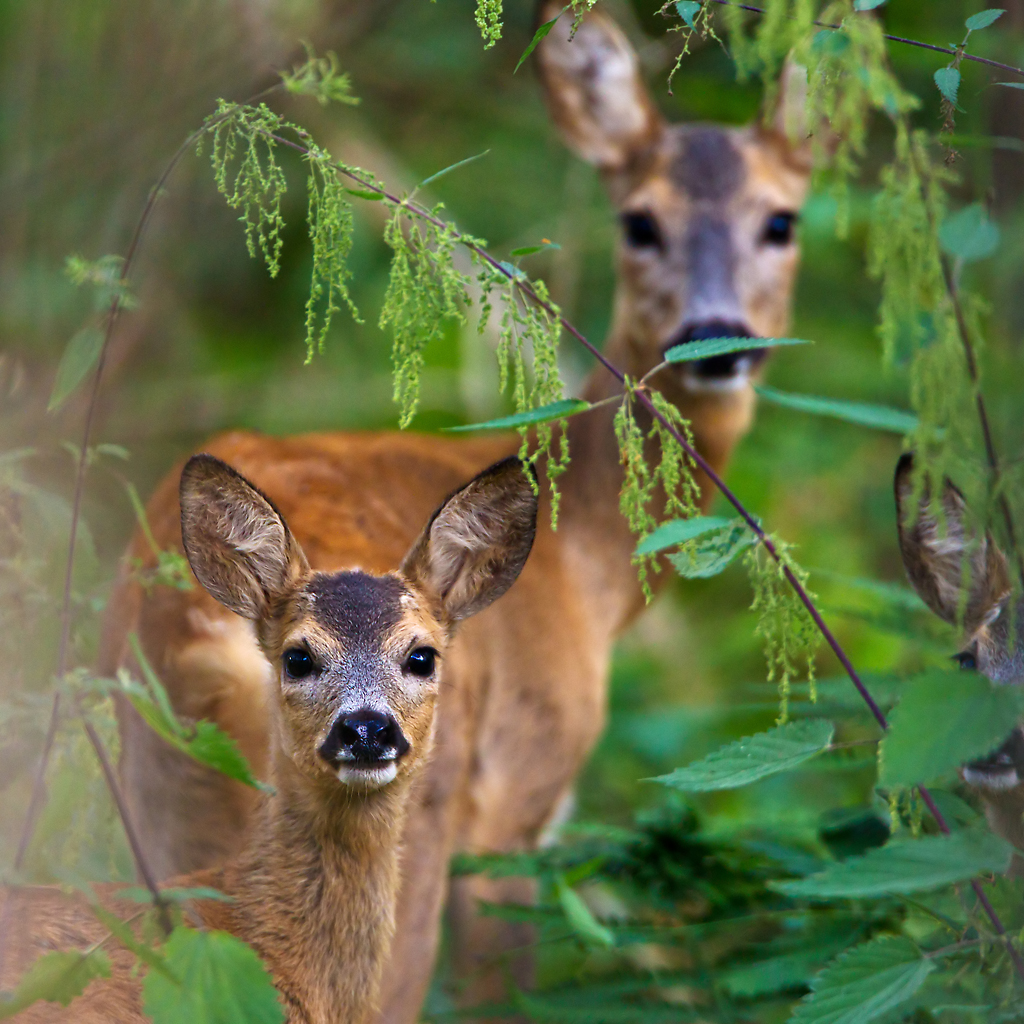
x=641, y=230
x=297, y=663
x=421, y=662
x=779, y=229
x=966, y=660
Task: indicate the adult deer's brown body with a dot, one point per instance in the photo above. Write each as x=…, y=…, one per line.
x=354, y=663
x=708, y=250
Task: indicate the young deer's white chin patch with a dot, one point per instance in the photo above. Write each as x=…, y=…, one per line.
x=735, y=381
x=991, y=778
x=368, y=778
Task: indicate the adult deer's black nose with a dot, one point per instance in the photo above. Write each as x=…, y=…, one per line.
x=364, y=737
x=727, y=365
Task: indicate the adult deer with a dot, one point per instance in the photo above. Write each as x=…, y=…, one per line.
x=960, y=573
x=708, y=249
x=356, y=662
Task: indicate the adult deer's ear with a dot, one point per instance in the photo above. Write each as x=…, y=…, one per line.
x=237, y=543
x=594, y=90
x=955, y=569
x=476, y=543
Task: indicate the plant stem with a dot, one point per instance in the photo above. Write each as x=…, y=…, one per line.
x=953, y=51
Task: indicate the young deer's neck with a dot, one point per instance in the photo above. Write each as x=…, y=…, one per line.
x=315, y=892
x=590, y=487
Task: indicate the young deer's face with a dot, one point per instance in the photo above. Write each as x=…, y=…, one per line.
x=358, y=657
x=708, y=213
x=963, y=577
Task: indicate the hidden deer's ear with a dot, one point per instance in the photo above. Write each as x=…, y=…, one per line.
x=477, y=542
x=237, y=543
x=785, y=120
x=955, y=569
x=594, y=90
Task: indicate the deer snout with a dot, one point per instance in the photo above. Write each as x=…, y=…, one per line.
x=1002, y=769
x=364, y=747
x=719, y=371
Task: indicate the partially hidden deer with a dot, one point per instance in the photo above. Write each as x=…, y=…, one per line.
x=961, y=575
x=708, y=248
x=355, y=662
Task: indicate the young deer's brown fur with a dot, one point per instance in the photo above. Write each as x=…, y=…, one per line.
x=357, y=662
x=708, y=250
x=961, y=574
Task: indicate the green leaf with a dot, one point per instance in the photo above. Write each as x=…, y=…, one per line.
x=365, y=193
x=880, y=417
x=542, y=414
x=905, y=866
x=688, y=10
x=538, y=36
x=222, y=981
x=1011, y=85
x=753, y=757
x=865, y=983
x=451, y=167
x=984, y=18
x=714, y=552
x=969, y=235
x=529, y=250
x=175, y=894
x=791, y=970
x=57, y=978
x=678, y=531
x=583, y=922
x=867, y=5
x=691, y=350
x=948, y=82
x=80, y=356
x=124, y=934
x=942, y=720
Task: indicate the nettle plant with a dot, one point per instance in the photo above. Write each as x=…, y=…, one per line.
x=924, y=923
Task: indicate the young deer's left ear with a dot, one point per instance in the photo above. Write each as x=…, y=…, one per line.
x=786, y=119
x=477, y=542
x=237, y=543
x=945, y=556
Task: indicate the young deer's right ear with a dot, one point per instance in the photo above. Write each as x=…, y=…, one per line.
x=594, y=90
x=476, y=544
x=237, y=543
x=944, y=556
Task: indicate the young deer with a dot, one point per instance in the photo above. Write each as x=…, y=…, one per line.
x=964, y=578
x=708, y=250
x=356, y=662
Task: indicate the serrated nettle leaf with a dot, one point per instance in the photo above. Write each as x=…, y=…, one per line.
x=678, y=531
x=80, y=356
x=753, y=757
x=222, y=981
x=867, y=5
x=906, y=866
x=984, y=18
x=583, y=922
x=714, y=552
x=865, y=414
x=947, y=80
x=791, y=970
x=865, y=983
x=688, y=10
x=969, y=235
x=944, y=719
x=542, y=414
x=537, y=37
x=691, y=350
x=56, y=978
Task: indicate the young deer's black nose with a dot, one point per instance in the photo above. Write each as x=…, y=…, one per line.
x=364, y=736
x=719, y=366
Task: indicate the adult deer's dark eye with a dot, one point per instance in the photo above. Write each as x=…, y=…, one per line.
x=966, y=660
x=641, y=230
x=779, y=229
x=421, y=661
x=297, y=663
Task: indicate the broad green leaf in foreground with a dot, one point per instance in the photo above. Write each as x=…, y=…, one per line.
x=753, y=757
x=222, y=980
x=80, y=356
x=947, y=81
x=865, y=983
x=714, y=552
x=583, y=922
x=542, y=414
x=56, y=977
x=969, y=234
x=881, y=417
x=905, y=866
x=691, y=350
x=678, y=531
x=942, y=720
